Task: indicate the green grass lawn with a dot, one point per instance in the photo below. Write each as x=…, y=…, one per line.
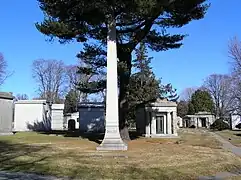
x=233, y=136
x=194, y=154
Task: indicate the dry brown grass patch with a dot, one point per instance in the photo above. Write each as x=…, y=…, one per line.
x=187, y=157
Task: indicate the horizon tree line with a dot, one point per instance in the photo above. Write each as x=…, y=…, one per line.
x=224, y=89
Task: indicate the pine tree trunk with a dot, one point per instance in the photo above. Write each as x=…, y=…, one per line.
x=124, y=133
x=124, y=57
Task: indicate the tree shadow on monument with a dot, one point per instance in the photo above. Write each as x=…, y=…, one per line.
x=44, y=125
x=93, y=128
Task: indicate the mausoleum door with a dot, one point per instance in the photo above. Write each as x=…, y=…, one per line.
x=160, y=125
x=204, y=122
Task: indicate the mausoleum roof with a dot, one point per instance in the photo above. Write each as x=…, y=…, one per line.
x=199, y=114
x=6, y=95
x=71, y=114
x=203, y=112
x=163, y=103
x=30, y=102
x=91, y=105
x=57, y=106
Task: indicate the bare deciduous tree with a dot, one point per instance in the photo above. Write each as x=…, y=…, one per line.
x=187, y=93
x=21, y=97
x=50, y=77
x=220, y=88
x=3, y=69
x=234, y=49
x=74, y=78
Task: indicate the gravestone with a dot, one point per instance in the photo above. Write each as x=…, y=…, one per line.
x=6, y=113
x=112, y=139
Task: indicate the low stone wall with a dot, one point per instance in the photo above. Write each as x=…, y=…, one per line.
x=6, y=113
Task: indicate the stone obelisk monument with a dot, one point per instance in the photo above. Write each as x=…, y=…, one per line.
x=112, y=139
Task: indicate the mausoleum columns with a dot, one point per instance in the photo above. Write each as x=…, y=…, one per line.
x=162, y=121
x=153, y=123
x=174, y=116
x=169, y=123
x=149, y=120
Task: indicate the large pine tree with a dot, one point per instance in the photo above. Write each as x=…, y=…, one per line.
x=201, y=100
x=71, y=102
x=143, y=87
x=136, y=21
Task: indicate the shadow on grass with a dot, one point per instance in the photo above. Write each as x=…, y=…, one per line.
x=13, y=156
x=35, y=159
x=95, y=137
x=130, y=172
x=91, y=136
x=16, y=159
x=39, y=159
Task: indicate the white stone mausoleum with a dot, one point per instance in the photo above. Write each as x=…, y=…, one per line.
x=198, y=120
x=158, y=119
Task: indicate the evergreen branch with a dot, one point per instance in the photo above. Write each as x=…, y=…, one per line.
x=92, y=87
x=162, y=42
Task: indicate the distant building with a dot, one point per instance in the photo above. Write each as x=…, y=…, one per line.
x=179, y=122
x=39, y=115
x=235, y=120
x=32, y=115
x=158, y=119
x=91, y=117
x=57, y=116
x=6, y=113
x=74, y=117
x=198, y=120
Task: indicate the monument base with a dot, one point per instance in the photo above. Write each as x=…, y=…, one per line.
x=6, y=133
x=111, y=144
x=112, y=140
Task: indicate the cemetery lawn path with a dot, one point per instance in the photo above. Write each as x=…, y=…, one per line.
x=234, y=137
x=196, y=153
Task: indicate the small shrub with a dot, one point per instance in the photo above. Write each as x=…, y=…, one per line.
x=192, y=126
x=238, y=126
x=219, y=125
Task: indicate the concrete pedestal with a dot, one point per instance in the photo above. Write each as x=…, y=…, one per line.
x=112, y=140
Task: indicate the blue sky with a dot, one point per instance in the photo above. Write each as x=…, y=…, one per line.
x=204, y=51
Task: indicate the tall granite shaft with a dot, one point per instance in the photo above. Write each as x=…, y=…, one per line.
x=112, y=139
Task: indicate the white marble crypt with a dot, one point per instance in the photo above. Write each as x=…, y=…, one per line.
x=158, y=119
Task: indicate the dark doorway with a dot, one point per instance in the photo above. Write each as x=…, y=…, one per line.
x=71, y=125
x=187, y=123
x=204, y=122
x=160, y=124
x=150, y=121
x=172, y=125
